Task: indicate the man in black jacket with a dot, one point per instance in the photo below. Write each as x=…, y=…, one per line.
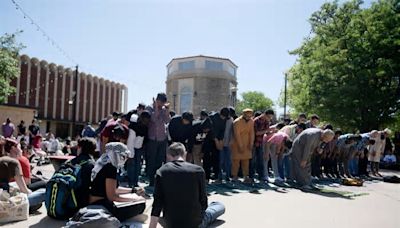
x=180, y=127
x=180, y=193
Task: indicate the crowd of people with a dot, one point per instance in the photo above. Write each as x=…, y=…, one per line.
x=178, y=155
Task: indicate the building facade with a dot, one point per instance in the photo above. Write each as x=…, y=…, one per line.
x=201, y=82
x=61, y=98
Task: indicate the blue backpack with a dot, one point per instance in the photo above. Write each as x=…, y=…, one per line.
x=61, y=190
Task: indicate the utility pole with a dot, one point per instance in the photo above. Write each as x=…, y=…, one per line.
x=74, y=102
x=285, y=97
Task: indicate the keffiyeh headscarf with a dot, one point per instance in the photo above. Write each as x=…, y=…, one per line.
x=116, y=154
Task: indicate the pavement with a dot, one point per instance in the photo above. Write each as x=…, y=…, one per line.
x=375, y=204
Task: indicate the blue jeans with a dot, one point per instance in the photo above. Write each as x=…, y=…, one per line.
x=213, y=211
x=225, y=161
x=286, y=166
x=257, y=163
x=353, y=166
x=37, y=197
x=134, y=166
x=280, y=167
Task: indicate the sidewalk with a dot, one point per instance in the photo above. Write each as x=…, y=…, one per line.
x=376, y=204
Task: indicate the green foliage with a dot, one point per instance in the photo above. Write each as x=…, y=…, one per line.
x=254, y=100
x=9, y=69
x=348, y=70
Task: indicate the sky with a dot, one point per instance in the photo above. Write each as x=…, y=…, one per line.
x=131, y=42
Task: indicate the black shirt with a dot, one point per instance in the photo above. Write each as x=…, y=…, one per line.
x=34, y=129
x=86, y=172
x=98, y=186
x=218, y=125
x=180, y=192
x=21, y=129
x=178, y=131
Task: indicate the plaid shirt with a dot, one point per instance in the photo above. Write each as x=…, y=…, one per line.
x=260, y=124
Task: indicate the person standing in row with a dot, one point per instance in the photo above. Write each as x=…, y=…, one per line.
x=303, y=147
x=262, y=125
x=157, y=136
x=242, y=145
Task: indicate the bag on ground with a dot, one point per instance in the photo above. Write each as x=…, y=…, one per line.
x=61, y=191
x=352, y=182
x=93, y=216
x=14, y=206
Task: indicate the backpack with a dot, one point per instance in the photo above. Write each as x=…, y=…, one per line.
x=61, y=190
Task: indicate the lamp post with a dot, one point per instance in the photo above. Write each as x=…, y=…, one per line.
x=75, y=94
x=285, y=96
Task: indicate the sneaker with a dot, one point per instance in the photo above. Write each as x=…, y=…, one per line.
x=218, y=181
x=306, y=188
x=248, y=180
x=279, y=180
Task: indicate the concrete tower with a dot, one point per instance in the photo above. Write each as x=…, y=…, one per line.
x=201, y=82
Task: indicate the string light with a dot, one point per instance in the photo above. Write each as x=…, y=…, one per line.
x=39, y=29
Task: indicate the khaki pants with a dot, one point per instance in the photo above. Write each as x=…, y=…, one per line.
x=197, y=154
x=245, y=167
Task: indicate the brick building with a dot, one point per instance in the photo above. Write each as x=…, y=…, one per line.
x=49, y=89
x=201, y=82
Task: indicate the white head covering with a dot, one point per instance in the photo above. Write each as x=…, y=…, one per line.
x=116, y=154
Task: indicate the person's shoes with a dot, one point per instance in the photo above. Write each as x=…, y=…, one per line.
x=248, y=180
x=378, y=174
x=218, y=181
x=33, y=209
x=306, y=188
x=278, y=180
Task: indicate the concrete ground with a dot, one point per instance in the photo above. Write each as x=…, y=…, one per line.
x=376, y=204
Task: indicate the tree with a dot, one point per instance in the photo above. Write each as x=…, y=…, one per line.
x=348, y=69
x=9, y=69
x=254, y=100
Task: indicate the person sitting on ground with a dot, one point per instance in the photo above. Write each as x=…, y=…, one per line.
x=86, y=148
x=104, y=187
x=10, y=170
x=16, y=152
x=180, y=193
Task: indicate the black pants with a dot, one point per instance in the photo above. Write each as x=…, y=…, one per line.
x=211, y=160
x=362, y=166
x=122, y=213
x=316, y=165
x=155, y=157
x=37, y=183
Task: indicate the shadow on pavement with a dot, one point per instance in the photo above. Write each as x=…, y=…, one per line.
x=47, y=222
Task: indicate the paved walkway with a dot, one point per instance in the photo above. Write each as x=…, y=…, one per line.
x=376, y=204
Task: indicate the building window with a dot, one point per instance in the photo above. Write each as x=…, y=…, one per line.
x=213, y=65
x=232, y=70
x=188, y=65
x=185, y=99
x=170, y=69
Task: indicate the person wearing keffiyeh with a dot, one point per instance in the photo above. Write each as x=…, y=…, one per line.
x=104, y=187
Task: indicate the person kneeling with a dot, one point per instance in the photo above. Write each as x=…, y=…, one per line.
x=104, y=187
x=180, y=192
